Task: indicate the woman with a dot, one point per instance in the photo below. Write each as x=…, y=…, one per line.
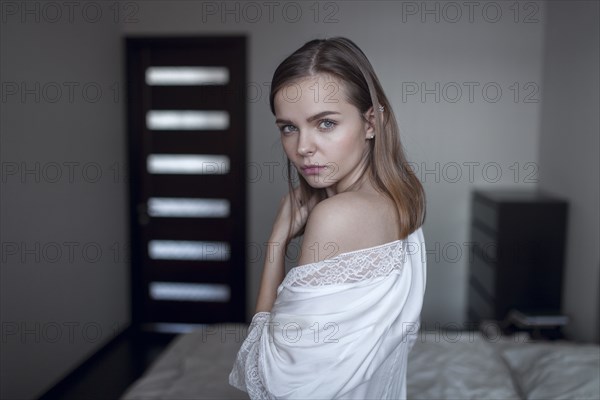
x=341, y=324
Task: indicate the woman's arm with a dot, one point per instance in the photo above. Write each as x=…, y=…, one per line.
x=272, y=274
x=274, y=267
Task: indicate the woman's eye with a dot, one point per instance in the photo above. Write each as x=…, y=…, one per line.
x=287, y=128
x=327, y=124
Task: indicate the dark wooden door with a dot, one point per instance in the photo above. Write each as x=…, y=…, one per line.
x=187, y=144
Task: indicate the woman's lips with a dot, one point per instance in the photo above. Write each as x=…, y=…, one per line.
x=312, y=169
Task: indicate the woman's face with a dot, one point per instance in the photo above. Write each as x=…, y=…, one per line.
x=322, y=134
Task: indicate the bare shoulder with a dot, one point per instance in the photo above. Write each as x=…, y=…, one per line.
x=347, y=222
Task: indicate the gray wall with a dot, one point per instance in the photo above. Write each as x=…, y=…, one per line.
x=64, y=285
x=476, y=137
x=569, y=151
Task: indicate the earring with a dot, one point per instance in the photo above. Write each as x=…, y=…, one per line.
x=380, y=108
x=371, y=137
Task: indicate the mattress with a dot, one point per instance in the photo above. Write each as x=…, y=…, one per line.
x=442, y=365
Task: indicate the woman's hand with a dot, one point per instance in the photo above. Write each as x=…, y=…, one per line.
x=288, y=204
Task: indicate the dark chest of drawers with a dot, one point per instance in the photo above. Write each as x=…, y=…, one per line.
x=518, y=252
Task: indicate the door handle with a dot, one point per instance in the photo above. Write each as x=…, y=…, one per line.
x=142, y=213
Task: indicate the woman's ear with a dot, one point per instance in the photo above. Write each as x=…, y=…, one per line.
x=369, y=123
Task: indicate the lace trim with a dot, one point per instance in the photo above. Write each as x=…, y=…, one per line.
x=350, y=267
x=246, y=374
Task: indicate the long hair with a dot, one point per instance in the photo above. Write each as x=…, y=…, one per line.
x=390, y=173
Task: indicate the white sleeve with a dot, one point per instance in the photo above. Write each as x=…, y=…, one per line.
x=244, y=375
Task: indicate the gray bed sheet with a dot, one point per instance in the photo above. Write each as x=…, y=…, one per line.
x=442, y=365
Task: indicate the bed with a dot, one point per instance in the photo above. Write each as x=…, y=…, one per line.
x=442, y=365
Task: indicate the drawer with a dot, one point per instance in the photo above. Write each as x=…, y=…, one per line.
x=486, y=214
x=479, y=303
x=484, y=273
x=484, y=244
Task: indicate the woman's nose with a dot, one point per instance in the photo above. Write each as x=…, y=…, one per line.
x=306, y=145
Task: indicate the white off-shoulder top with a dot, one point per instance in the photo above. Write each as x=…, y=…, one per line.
x=340, y=328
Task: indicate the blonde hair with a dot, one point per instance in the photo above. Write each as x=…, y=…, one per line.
x=390, y=172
